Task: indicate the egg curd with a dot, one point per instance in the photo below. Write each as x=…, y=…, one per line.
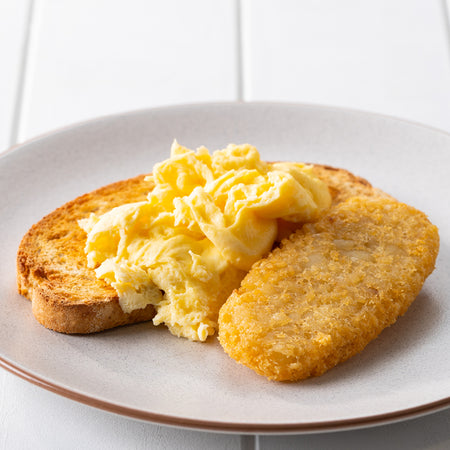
x=208, y=218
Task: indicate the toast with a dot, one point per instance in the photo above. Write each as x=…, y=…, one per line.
x=52, y=268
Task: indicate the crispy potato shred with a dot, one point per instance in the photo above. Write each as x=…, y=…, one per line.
x=330, y=289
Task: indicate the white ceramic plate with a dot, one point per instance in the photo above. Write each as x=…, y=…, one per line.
x=144, y=372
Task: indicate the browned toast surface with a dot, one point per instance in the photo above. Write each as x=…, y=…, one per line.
x=344, y=184
x=52, y=269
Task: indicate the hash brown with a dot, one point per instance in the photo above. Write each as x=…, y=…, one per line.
x=330, y=289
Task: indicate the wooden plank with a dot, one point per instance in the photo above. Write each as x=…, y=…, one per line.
x=428, y=432
x=37, y=419
x=103, y=57
x=13, y=22
x=386, y=56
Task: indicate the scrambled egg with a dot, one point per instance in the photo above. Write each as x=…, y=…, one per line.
x=207, y=220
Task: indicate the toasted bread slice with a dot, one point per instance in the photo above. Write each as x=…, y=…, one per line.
x=344, y=185
x=52, y=269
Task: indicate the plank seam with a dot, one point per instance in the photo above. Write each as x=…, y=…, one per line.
x=23, y=69
x=239, y=52
x=446, y=14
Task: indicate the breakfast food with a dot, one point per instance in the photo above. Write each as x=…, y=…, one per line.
x=52, y=268
x=193, y=246
x=330, y=289
x=207, y=220
x=68, y=296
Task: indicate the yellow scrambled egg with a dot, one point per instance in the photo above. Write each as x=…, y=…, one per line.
x=207, y=220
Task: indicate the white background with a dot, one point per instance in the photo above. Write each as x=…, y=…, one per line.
x=63, y=61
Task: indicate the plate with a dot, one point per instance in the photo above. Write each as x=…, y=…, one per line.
x=143, y=371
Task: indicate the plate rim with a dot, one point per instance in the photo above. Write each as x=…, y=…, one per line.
x=228, y=427
x=213, y=104
x=200, y=424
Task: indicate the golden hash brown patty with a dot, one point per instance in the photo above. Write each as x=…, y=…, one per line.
x=330, y=289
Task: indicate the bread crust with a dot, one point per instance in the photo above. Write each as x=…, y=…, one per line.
x=52, y=268
x=344, y=184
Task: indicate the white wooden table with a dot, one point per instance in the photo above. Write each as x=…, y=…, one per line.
x=62, y=61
